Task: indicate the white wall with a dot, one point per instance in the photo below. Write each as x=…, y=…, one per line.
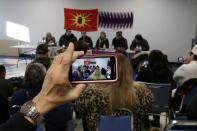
x=168, y=25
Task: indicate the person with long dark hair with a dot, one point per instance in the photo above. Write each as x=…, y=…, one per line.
x=155, y=70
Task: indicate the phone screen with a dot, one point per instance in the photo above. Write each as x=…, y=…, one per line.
x=93, y=69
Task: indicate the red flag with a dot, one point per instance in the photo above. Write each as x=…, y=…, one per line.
x=81, y=20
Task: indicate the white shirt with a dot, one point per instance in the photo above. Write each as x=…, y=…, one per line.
x=185, y=72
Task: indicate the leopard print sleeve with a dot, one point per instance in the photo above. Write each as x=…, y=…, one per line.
x=144, y=102
x=91, y=103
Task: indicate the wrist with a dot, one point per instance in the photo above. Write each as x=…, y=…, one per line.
x=42, y=105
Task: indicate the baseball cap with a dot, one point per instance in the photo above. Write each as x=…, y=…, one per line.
x=194, y=50
x=42, y=49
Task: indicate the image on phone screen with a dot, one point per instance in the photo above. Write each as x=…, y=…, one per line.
x=93, y=69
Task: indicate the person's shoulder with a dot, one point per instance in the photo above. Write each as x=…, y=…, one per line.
x=140, y=88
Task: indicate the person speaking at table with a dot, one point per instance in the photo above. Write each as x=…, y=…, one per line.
x=49, y=40
x=119, y=42
x=139, y=44
x=87, y=39
x=102, y=41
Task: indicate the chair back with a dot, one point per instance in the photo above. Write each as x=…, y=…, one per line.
x=120, y=121
x=191, y=90
x=162, y=93
x=190, y=95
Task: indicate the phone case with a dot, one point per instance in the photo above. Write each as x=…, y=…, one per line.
x=99, y=81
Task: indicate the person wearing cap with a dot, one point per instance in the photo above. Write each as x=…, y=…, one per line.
x=189, y=69
x=139, y=44
x=87, y=39
x=119, y=42
x=66, y=38
x=42, y=55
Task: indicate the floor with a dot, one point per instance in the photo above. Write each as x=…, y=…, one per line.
x=14, y=71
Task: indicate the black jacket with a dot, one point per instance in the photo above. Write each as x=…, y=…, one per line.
x=17, y=123
x=6, y=88
x=88, y=40
x=65, y=40
x=120, y=43
x=155, y=76
x=143, y=44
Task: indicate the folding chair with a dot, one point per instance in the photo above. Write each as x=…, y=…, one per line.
x=162, y=93
x=122, y=121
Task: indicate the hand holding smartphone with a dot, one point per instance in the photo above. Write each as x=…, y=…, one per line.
x=94, y=69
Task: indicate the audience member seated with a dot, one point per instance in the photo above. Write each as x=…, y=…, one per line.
x=49, y=40
x=189, y=69
x=139, y=44
x=155, y=71
x=137, y=61
x=33, y=79
x=42, y=55
x=102, y=41
x=119, y=42
x=57, y=118
x=6, y=87
x=66, y=38
x=6, y=90
x=87, y=39
x=125, y=93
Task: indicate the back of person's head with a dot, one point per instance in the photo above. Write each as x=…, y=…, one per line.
x=138, y=37
x=42, y=49
x=81, y=46
x=34, y=75
x=2, y=71
x=157, y=60
x=122, y=92
x=124, y=70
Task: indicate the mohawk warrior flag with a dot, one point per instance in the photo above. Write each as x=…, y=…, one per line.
x=81, y=20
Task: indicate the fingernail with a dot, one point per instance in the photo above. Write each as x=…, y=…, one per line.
x=70, y=44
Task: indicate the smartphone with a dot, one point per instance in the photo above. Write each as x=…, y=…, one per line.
x=145, y=64
x=181, y=59
x=94, y=69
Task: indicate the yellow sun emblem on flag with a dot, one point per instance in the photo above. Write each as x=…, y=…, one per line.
x=80, y=20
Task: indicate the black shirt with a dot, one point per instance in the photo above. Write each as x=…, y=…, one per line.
x=6, y=88
x=143, y=44
x=88, y=40
x=65, y=40
x=120, y=43
x=17, y=123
